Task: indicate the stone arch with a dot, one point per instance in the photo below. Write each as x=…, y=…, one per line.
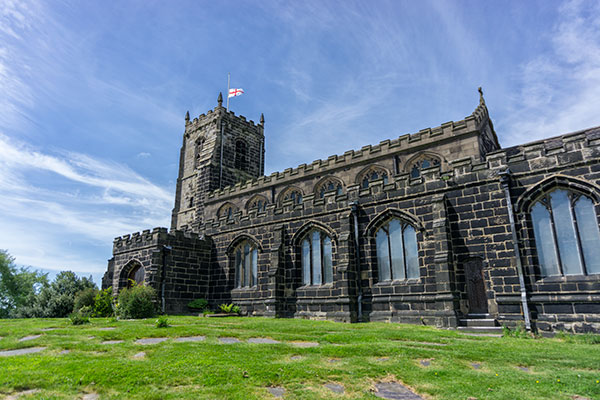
x=422, y=160
x=128, y=271
x=327, y=184
x=389, y=214
x=312, y=225
x=242, y=238
x=255, y=202
x=286, y=194
x=531, y=195
x=241, y=154
x=227, y=210
x=368, y=172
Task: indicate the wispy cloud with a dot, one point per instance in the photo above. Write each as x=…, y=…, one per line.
x=560, y=90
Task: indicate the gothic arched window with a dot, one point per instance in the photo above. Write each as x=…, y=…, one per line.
x=136, y=276
x=316, y=256
x=295, y=195
x=567, y=238
x=258, y=202
x=245, y=256
x=330, y=185
x=241, y=155
x=397, y=251
x=198, y=151
x=372, y=174
x=227, y=210
x=423, y=162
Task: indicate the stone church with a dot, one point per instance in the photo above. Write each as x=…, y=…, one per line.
x=441, y=227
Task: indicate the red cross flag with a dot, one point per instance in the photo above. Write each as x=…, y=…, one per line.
x=235, y=92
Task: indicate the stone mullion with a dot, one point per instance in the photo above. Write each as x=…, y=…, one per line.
x=446, y=297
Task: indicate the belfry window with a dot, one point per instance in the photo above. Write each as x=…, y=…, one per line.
x=316, y=255
x=246, y=265
x=397, y=251
x=566, y=232
x=241, y=155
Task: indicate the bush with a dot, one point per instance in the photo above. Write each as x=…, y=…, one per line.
x=137, y=302
x=162, y=322
x=81, y=317
x=198, y=304
x=85, y=298
x=229, y=308
x=103, y=303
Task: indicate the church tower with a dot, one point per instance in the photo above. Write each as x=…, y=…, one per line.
x=219, y=149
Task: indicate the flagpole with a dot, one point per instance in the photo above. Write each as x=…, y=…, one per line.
x=228, y=80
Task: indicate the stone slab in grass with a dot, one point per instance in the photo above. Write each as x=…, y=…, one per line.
x=19, y=352
x=263, y=341
x=64, y=352
x=15, y=396
x=395, y=391
x=333, y=360
x=276, y=391
x=190, y=339
x=91, y=396
x=112, y=341
x=141, y=354
x=425, y=363
x=383, y=359
x=295, y=358
x=229, y=340
x=151, y=340
x=27, y=338
x=524, y=369
x=476, y=365
x=304, y=344
x=497, y=335
x=109, y=328
x=49, y=329
x=334, y=387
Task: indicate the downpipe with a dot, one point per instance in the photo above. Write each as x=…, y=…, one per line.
x=505, y=181
x=165, y=250
x=354, y=206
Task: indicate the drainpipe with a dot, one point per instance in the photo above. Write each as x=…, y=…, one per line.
x=354, y=206
x=505, y=181
x=165, y=251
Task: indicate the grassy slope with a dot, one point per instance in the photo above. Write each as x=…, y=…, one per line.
x=217, y=371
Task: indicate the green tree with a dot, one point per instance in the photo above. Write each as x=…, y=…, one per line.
x=18, y=286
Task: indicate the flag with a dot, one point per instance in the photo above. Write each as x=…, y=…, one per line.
x=235, y=92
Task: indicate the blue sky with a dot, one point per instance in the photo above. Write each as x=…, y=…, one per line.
x=93, y=94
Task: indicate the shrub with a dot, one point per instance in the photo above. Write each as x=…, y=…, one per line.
x=81, y=317
x=137, y=302
x=103, y=306
x=162, y=322
x=85, y=298
x=198, y=304
x=229, y=308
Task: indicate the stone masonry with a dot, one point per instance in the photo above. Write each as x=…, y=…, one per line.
x=453, y=184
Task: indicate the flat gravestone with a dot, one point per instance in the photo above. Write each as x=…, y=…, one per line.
x=229, y=340
x=190, y=339
x=476, y=365
x=112, y=342
x=109, y=328
x=32, y=337
x=48, y=329
x=91, y=337
x=65, y=352
x=383, y=359
x=263, y=341
x=334, y=387
x=333, y=360
x=141, y=354
x=304, y=344
x=524, y=369
x=151, y=340
x=19, y=352
x=23, y=393
x=91, y=396
x=276, y=391
x=395, y=391
x=425, y=363
x=433, y=344
x=296, y=358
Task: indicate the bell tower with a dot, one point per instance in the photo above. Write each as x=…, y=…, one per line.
x=219, y=149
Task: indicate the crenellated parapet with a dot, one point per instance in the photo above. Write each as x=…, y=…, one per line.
x=154, y=239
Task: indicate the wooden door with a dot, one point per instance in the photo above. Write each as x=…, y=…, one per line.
x=476, y=287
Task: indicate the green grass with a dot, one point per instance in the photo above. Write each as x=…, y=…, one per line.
x=559, y=368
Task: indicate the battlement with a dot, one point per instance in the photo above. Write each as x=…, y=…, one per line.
x=152, y=238
x=219, y=111
x=554, y=152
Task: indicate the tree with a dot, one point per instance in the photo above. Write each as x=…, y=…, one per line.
x=18, y=286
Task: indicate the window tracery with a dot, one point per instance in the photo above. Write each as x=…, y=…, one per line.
x=258, y=202
x=329, y=185
x=397, y=251
x=372, y=174
x=316, y=258
x=426, y=161
x=227, y=210
x=566, y=234
x=245, y=258
x=293, y=194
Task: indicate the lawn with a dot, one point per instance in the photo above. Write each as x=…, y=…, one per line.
x=436, y=364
